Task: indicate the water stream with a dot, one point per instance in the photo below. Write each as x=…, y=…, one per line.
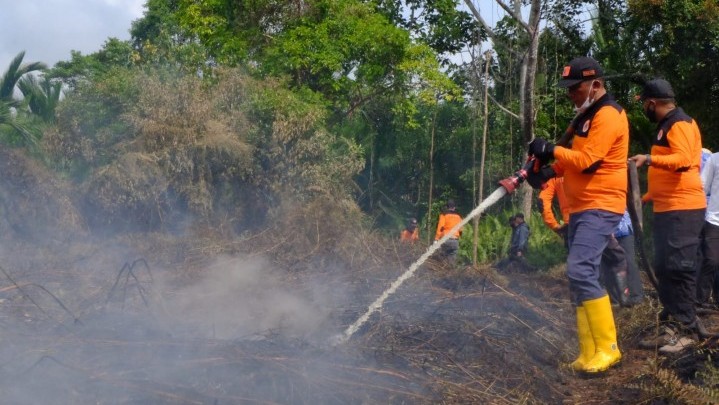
x=377, y=304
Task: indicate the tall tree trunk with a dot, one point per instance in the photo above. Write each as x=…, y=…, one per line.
x=529, y=68
x=430, y=234
x=370, y=190
x=475, y=241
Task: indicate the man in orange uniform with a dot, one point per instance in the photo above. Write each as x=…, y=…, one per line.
x=675, y=188
x=410, y=234
x=595, y=184
x=447, y=220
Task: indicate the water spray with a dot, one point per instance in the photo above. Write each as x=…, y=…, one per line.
x=507, y=186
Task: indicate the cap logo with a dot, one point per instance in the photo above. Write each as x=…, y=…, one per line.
x=660, y=134
x=566, y=70
x=589, y=72
x=585, y=127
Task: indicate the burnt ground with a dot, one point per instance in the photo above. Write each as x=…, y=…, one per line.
x=122, y=321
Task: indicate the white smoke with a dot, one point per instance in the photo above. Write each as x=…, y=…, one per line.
x=239, y=298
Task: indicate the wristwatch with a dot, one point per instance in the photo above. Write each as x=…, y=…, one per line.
x=649, y=159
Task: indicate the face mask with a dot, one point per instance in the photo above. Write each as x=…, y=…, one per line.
x=588, y=102
x=651, y=113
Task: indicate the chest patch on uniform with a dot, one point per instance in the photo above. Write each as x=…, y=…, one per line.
x=660, y=134
x=585, y=127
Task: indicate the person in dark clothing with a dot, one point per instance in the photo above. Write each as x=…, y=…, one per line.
x=620, y=274
x=518, y=245
x=520, y=237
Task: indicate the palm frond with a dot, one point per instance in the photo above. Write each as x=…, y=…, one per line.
x=14, y=72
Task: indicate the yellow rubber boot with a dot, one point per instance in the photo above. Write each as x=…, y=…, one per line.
x=601, y=323
x=586, y=341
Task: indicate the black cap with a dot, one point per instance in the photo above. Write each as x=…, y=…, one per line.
x=519, y=215
x=580, y=69
x=657, y=88
x=450, y=204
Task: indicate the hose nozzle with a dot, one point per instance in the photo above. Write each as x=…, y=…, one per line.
x=512, y=182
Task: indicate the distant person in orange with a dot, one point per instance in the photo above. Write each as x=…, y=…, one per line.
x=410, y=234
x=448, y=220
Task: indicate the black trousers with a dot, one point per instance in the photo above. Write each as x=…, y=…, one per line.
x=634, y=278
x=676, y=253
x=619, y=271
x=614, y=272
x=708, y=281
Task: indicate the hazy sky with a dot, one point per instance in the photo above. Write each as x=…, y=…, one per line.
x=47, y=30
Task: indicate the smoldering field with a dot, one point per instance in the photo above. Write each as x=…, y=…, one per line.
x=131, y=334
x=97, y=325
x=194, y=314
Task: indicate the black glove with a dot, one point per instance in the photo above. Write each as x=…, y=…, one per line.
x=537, y=179
x=541, y=149
x=562, y=231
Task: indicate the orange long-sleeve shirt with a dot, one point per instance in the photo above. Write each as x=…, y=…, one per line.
x=554, y=187
x=409, y=236
x=595, y=167
x=673, y=176
x=447, y=221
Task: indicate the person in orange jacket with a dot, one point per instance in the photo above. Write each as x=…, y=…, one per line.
x=595, y=184
x=410, y=234
x=679, y=204
x=448, y=220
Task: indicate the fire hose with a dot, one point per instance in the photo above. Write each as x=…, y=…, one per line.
x=507, y=186
x=634, y=206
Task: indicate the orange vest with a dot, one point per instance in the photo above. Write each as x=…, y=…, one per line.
x=673, y=176
x=595, y=167
x=447, y=221
x=409, y=236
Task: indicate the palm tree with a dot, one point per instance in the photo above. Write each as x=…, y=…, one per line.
x=9, y=80
x=42, y=96
x=14, y=73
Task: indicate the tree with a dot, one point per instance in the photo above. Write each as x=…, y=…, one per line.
x=679, y=40
x=437, y=23
x=14, y=73
x=8, y=103
x=42, y=96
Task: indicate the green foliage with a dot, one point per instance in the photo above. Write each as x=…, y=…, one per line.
x=90, y=124
x=148, y=145
x=494, y=237
x=42, y=96
x=14, y=73
x=115, y=54
x=678, y=40
x=441, y=24
x=297, y=154
x=17, y=127
x=546, y=248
